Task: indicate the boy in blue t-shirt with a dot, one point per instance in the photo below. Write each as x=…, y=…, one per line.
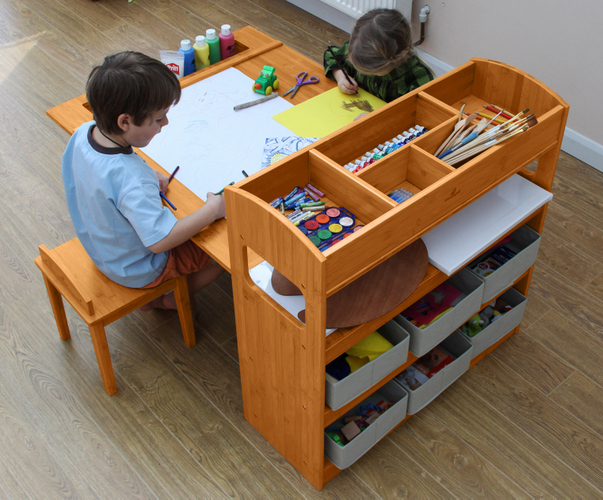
x=113, y=194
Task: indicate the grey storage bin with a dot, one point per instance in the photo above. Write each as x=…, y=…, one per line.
x=503, y=325
x=422, y=340
x=344, y=456
x=460, y=348
x=525, y=241
x=338, y=394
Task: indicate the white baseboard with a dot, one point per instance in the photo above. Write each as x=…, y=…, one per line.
x=583, y=148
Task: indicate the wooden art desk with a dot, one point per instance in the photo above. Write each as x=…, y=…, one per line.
x=282, y=360
x=254, y=49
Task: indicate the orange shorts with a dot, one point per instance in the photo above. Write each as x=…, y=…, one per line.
x=185, y=259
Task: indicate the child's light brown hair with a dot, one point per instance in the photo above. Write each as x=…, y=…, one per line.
x=380, y=41
x=131, y=83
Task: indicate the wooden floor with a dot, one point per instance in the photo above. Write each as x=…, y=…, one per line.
x=524, y=423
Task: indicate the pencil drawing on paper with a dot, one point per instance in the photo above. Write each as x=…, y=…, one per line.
x=210, y=141
x=361, y=104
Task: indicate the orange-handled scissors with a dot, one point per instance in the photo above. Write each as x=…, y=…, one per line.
x=301, y=80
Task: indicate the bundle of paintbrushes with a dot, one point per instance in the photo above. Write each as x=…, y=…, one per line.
x=467, y=140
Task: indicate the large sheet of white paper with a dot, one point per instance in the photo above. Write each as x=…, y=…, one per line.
x=210, y=141
x=465, y=235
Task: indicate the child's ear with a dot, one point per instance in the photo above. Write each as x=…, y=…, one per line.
x=124, y=121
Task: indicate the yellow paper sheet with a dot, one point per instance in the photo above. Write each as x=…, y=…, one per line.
x=327, y=112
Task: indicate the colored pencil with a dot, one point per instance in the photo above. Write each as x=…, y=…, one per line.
x=222, y=190
x=173, y=173
x=167, y=201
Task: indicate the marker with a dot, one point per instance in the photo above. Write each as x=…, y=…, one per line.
x=244, y=173
x=222, y=190
x=167, y=201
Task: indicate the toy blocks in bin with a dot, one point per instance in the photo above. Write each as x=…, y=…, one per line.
x=345, y=454
x=501, y=266
x=338, y=394
x=446, y=362
x=504, y=323
x=467, y=291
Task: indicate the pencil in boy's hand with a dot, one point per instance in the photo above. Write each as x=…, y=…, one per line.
x=222, y=190
x=341, y=68
x=166, y=200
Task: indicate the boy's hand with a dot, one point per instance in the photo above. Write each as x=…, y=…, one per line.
x=163, y=181
x=216, y=202
x=343, y=84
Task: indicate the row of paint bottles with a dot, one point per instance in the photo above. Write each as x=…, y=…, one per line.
x=211, y=48
x=208, y=49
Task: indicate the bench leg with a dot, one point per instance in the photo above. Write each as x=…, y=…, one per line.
x=184, y=311
x=58, y=308
x=101, y=348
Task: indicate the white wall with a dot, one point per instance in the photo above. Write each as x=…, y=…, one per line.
x=559, y=42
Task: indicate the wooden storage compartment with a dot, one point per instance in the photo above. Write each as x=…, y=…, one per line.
x=408, y=168
x=385, y=124
x=282, y=360
x=483, y=81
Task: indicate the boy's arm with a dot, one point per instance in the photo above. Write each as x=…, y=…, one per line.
x=188, y=226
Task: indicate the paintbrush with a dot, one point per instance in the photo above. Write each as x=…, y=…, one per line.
x=483, y=147
x=341, y=68
x=468, y=147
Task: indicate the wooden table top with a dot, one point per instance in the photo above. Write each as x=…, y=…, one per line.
x=254, y=49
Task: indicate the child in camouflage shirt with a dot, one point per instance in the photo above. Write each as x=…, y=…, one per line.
x=379, y=57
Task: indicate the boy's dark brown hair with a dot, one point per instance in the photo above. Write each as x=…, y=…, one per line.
x=132, y=83
x=380, y=41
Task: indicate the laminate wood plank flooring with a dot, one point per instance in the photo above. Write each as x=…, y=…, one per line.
x=524, y=423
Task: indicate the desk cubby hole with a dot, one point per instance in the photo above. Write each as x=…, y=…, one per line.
x=310, y=167
x=409, y=168
x=481, y=81
x=383, y=125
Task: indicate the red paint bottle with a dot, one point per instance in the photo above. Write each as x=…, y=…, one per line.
x=227, y=42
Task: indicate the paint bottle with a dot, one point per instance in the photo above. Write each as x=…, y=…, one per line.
x=201, y=52
x=189, y=56
x=227, y=43
x=214, y=45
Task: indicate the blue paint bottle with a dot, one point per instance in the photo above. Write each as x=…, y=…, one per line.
x=189, y=57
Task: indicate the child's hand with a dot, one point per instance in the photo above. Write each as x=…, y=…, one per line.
x=163, y=181
x=343, y=84
x=216, y=202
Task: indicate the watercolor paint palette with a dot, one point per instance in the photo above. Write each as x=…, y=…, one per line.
x=329, y=226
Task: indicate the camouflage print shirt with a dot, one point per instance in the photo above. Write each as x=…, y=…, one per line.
x=412, y=74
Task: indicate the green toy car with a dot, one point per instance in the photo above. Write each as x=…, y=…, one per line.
x=266, y=82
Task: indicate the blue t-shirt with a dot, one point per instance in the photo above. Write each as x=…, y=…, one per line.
x=114, y=203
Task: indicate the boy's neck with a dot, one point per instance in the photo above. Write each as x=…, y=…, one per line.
x=108, y=140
